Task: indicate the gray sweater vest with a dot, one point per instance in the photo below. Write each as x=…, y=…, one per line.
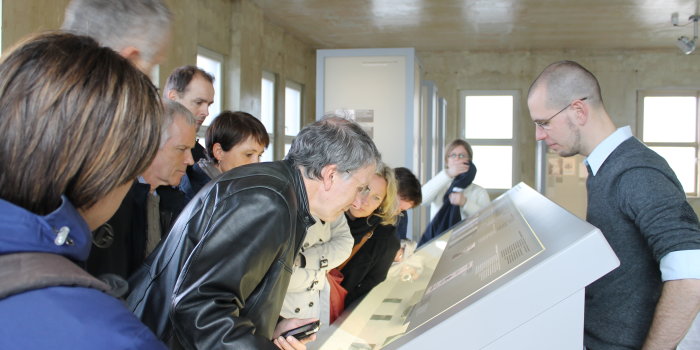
x=637, y=202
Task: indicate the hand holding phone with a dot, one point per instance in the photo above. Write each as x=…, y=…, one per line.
x=303, y=331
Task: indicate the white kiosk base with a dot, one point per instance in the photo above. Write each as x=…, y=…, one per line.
x=511, y=277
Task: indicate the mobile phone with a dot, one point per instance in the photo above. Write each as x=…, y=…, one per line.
x=304, y=331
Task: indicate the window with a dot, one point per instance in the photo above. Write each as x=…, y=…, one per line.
x=211, y=62
x=488, y=120
x=291, y=118
x=669, y=127
x=292, y=113
x=267, y=112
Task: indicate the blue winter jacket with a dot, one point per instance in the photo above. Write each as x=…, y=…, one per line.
x=61, y=317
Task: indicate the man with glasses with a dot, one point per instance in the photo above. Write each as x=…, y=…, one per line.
x=635, y=199
x=218, y=280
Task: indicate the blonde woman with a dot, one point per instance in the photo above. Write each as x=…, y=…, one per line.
x=374, y=221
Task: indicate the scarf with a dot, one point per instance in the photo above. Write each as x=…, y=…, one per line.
x=449, y=214
x=360, y=226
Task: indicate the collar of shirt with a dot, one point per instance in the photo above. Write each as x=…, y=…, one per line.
x=141, y=180
x=602, y=151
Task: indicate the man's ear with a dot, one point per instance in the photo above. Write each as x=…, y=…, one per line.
x=172, y=95
x=582, y=112
x=133, y=55
x=329, y=174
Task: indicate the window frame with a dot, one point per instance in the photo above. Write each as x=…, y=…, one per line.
x=641, y=94
x=218, y=85
x=288, y=139
x=512, y=142
x=268, y=75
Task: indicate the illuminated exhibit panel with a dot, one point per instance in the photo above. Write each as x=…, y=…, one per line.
x=502, y=279
x=382, y=314
x=479, y=252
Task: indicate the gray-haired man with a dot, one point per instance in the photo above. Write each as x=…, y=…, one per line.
x=152, y=204
x=139, y=30
x=220, y=277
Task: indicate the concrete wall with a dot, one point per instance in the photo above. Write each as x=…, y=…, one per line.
x=250, y=44
x=20, y=18
x=621, y=74
x=236, y=29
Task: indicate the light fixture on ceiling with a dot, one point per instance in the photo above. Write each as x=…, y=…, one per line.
x=685, y=44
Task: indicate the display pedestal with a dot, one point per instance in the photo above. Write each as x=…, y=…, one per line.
x=511, y=277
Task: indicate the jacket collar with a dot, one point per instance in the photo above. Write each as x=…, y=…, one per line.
x=304, y=211
x=63, y=231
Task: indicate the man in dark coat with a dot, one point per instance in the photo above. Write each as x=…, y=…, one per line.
x=219, y=278
x=150, y=207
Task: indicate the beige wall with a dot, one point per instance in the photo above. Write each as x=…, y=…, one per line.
x=20, y=18
x=235, y=29
x=621, y=75
x=250, y=44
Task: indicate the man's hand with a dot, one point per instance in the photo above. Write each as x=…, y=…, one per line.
x=291, y=343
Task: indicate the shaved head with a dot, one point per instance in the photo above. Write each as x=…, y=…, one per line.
x=565, y=81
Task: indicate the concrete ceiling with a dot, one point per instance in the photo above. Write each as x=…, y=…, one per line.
x=483, y=25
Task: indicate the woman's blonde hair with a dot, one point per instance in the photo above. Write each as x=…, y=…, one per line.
x=388, y=210
x=76, y=119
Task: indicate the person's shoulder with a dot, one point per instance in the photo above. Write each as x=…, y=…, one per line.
x=262, y=174
x=632, y=159
x=474, y=188
x=103, y=320
x=477, y=187
x=386, y=233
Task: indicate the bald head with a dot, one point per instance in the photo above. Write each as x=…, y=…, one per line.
x=567, y=108
x=565, y=81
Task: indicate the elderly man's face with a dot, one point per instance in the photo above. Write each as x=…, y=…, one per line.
x=559, y=133
x=175, y=155
x=344, y=191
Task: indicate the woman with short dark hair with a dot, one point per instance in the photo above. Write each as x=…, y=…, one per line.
x=78, y=123
x=233, y=139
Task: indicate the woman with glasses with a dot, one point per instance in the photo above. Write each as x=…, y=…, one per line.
x=451, y=193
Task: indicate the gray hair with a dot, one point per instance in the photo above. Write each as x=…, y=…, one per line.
x=333, y=140
x=117, y=24
x=174, y=110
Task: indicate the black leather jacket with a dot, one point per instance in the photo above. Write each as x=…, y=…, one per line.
x=219, y=278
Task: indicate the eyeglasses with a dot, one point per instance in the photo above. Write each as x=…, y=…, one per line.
x=544, y=124
x=458, y=155
x=362, y=190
